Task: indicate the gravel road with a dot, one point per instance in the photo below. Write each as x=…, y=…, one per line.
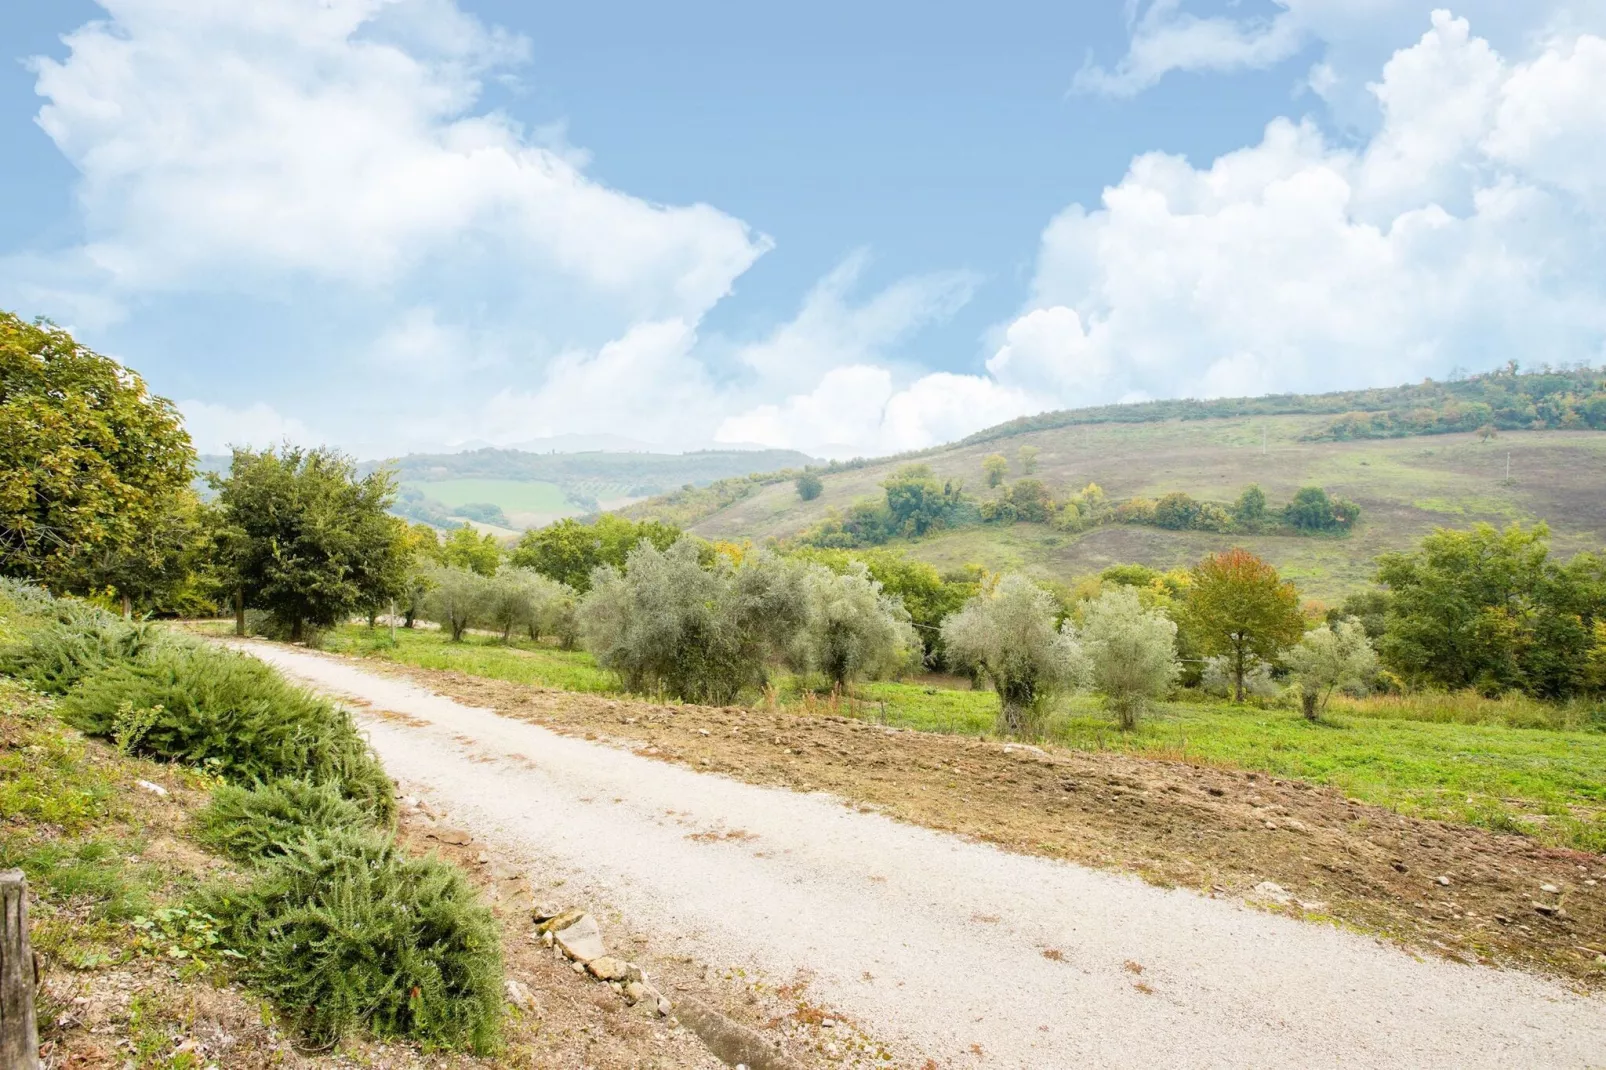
x=944, y=948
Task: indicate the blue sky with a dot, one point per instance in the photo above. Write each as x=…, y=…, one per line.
x=404, y=224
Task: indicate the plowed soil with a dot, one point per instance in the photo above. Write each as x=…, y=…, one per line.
x=1454, y=891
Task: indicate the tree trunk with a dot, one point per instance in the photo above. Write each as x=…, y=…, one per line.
x=407, y=618
x=295, y=630
x=19, y=1034
x=1307, y=702
x=239, y=611
x=128, y=607
x=373, y=619
x=1012, y=718
x=1238, y=676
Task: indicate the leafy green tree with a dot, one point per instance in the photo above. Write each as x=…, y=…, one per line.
x=1249, y=511
x=303, y=537
x=809, y=485
x=1031, y=500
x=1131, y=652
x=1026, y=456
x=1487, y=609
x=853, y=628
x=1238, y=606
x=467, y=548
x=996, y=468
x=1177, y=511
x=1312, y=509
x=569, y=550
x=699, y=633
x=457, y=598
x=1007, y=635
x=94, y=469
x=917, y=502
x=1328, y=658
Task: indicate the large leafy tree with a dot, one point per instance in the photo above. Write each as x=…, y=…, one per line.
x=1131, y=652
x=95, y=470
x=307, y=540
x=570, y=550
x=1487, y=608
x=1239, y=607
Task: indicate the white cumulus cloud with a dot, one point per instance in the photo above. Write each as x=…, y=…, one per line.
x=217, y=428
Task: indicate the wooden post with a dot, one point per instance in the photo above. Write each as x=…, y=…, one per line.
x=19, y=1037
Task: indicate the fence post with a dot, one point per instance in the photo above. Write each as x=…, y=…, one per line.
x=19, y=1037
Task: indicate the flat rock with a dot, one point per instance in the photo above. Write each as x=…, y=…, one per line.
x=549, y=920
x=582, y=939
x=452, y=837
x=608, y=968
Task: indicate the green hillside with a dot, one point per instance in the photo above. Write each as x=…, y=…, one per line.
x=1405, y=487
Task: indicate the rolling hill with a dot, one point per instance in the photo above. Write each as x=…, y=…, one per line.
x=1405, y=486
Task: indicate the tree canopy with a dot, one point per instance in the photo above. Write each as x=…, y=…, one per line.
x=95, y=470
x=1238, y=606
x=307, y=540
x=1007, y=634
x=570, y=550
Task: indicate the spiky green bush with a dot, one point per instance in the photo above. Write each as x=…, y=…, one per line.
x=75, y=640
x=206, y=706
x=251, y=824
x=344, y=930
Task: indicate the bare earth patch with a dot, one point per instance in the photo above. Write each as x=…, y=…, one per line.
x=1453, y=891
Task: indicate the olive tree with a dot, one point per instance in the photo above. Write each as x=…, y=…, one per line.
x=1007, y=635
x=1131, y=652
x=698, y=632
x=853, y=628
x=1328, y=658
x=457, y=597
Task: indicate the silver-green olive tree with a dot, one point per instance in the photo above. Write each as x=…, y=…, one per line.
x=853, y=629
x=1007, y=635
x=1329, y=658
x=457, y=597
x=1131, y=652
x=699, y=631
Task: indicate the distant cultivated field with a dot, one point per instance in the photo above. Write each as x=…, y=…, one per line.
x=1405, y=486
x=512, y=495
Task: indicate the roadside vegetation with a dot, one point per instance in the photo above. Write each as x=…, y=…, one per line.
x=320, y=912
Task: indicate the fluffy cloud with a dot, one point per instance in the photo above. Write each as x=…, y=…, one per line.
x=222, y=144
x=217, y=428
x=1466, y=231
x=1352, y=36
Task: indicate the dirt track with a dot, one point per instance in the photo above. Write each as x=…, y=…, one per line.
x=947, y=948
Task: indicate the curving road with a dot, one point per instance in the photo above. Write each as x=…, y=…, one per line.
x=936, y=944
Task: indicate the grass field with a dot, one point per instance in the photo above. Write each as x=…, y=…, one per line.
x=1405, y=488
x=520, y=662
x=1413, y=755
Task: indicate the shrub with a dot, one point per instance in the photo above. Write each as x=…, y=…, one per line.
x=809, y=486
x=701, y=634
x=209, y=706
x=344, y=930
x=1007, y=635
x=1131, y=651
x=1328, y=658
x=853, y=629
x=77, y=641
x=252, y=824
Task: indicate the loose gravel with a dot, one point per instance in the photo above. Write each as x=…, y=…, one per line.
x=948, y=949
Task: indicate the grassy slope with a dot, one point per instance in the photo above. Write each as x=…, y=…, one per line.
x=1405, y=486
x=1546, y=782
